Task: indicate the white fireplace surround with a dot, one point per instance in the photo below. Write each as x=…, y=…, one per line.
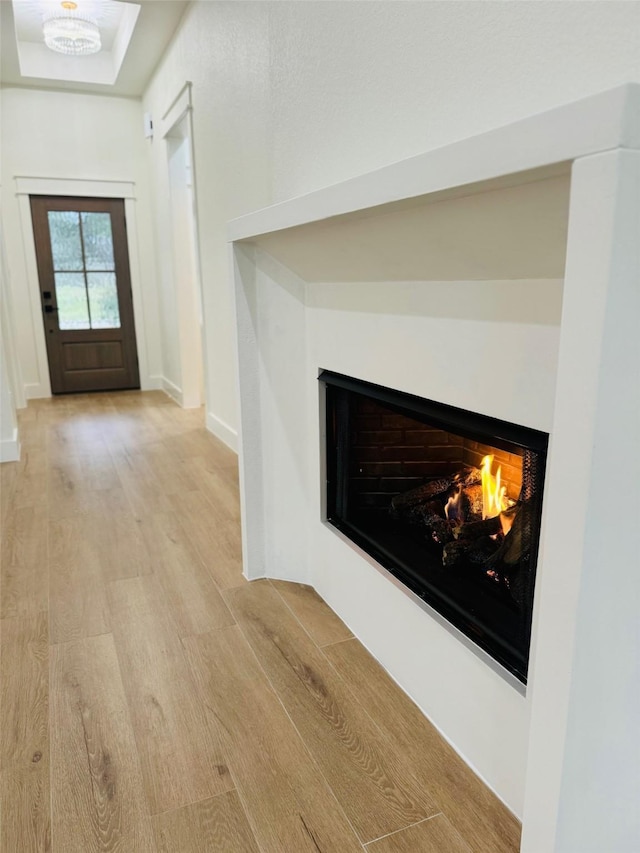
x=500, y=274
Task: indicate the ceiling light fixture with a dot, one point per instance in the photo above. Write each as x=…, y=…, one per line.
x=69, y=33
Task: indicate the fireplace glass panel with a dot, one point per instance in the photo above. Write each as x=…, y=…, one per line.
x=448, y=501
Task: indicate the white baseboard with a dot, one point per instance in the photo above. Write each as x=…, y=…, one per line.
x=10, y=448
x=222, y=431
x=172, y=390
x=151, y=383
x=36, y=391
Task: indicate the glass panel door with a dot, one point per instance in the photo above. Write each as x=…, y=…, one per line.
x=85, y=286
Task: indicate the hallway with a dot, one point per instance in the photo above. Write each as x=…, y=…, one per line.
x=153, y=700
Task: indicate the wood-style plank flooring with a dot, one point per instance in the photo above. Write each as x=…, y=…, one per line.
x=152, y=701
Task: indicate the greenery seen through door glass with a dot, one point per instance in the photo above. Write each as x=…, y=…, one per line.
x=98, y=243
x=103, y=299
x=71, y=296
x=85, y=282
x=66, y=247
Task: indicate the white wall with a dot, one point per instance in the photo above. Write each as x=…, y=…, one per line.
x=583, y=778
x=356, y=85
x=222, y=49
x=71, y=136
x=9, y=445
x=10, y=390
x=9, y=439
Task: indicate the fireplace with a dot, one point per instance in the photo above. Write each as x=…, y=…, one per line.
x=503, y=263
x=448, y=501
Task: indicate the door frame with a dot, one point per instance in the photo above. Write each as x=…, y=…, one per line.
x=177, y=124
x=27, y=186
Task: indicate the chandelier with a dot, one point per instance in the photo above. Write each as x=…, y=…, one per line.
x=69, y=33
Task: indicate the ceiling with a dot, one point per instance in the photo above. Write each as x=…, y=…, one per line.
x=156, y=23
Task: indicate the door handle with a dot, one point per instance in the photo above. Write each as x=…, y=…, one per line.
x=49, y=309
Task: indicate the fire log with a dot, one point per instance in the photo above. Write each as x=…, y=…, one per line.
x=422, y=494
x=430, y=516
x=473, y=494
x=475, y=552
x=476, y=529
x=513, y=546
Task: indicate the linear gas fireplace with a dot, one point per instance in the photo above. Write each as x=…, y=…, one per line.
x=448, y=501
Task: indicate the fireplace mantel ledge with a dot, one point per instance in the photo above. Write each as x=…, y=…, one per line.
x=541, y=142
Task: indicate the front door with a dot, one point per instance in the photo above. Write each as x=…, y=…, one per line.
x=85, y=287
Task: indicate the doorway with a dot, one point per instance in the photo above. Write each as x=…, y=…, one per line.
x=185, y=261
x=85, y=289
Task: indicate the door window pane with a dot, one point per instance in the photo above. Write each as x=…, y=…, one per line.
x=66, y=246
x=98, y=243
x=71, y=297
x=103, y=299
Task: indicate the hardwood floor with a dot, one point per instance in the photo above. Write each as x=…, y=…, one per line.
x=96, y=782
x=152, y=701
x=375, y=786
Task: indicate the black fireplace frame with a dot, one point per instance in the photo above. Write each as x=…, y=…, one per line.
x=472, y=425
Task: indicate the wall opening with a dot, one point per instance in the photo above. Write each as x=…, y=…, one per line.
x=185, y=262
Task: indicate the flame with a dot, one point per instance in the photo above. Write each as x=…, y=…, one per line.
x=453, y=508
x=494, y=496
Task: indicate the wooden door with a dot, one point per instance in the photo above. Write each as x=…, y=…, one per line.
x=85, y=287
